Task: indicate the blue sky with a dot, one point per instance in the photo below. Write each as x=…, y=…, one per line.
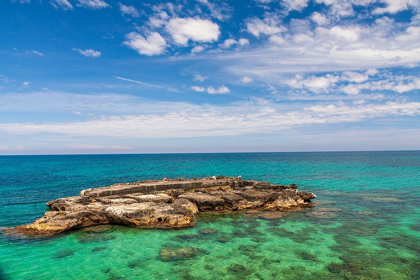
x=100, y=76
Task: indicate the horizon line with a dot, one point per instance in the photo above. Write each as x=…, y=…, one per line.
x=183, y=153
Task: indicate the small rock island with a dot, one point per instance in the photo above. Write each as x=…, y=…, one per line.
x=168, y=203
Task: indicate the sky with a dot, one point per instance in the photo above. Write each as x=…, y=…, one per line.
x=101, y=76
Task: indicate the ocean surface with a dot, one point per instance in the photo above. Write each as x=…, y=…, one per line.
x=366, y=224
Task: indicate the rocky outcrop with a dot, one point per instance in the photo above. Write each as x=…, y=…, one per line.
x=159, y=204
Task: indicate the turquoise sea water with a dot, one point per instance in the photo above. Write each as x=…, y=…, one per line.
x=366, y=225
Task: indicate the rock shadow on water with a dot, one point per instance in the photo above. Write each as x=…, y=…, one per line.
x=63, y=253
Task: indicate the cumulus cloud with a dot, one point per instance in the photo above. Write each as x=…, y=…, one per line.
x=199, y=89
x=349, y=34
x=277, y=40
x=61, y=4
x=313, y=83
x=198, y=77
x=228, y=43
x=319, y=19
x=199, y=30
x=392, y=6
x=354, y=77
x=231, y=42
x=269, y=25
x=152, y=44
x=399, y=84
x=197, y=49
x=297, y=5
x=88, y=52
x=341, y=47
x=246, y=80
x=93, y=4
x=243, y=42
x=128, y=10
x=221, y=90
x=212, y=90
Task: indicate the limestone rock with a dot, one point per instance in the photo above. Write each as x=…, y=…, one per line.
x=164, y=203
x=205, y=202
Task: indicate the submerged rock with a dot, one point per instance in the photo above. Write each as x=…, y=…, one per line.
x=184, y=253
x=207, y=231
x=170, y=203
x=63, y=253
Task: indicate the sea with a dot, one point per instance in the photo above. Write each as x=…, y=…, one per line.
x=365, y=225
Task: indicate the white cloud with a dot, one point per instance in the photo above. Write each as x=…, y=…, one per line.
x=270, y=25
x=351, y=89
x=197, y=49
x=201, y=121
x=354, y=77
x=220, y=90
x=313, y=83
x=277, y=40
x=25, y=84
x=61, y=4
x=38, y=53
x=297, y=5
x=231, y=42
x=399, y=84
x=319, y=19
x=228, y=43
x=88, y=52
x=371, y=72
x=93, y=4
x=220, y=11
x=198, y=77
x=128, y=10
x=394, y=6
x=246, y=80
x=199, y=89
x=243, y=42
x=340, y=48
x=412, y=34
x=349, y=34
x=153, y=44
x=199, y=30
x=340, y=8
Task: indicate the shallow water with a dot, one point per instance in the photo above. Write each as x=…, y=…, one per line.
x=365, y=226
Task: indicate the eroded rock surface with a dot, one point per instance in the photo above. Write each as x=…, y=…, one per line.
x=167, y=203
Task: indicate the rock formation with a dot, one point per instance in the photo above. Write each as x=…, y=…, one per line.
x=159, y=204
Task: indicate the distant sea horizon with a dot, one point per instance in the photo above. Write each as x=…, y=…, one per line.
x=234, y=152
